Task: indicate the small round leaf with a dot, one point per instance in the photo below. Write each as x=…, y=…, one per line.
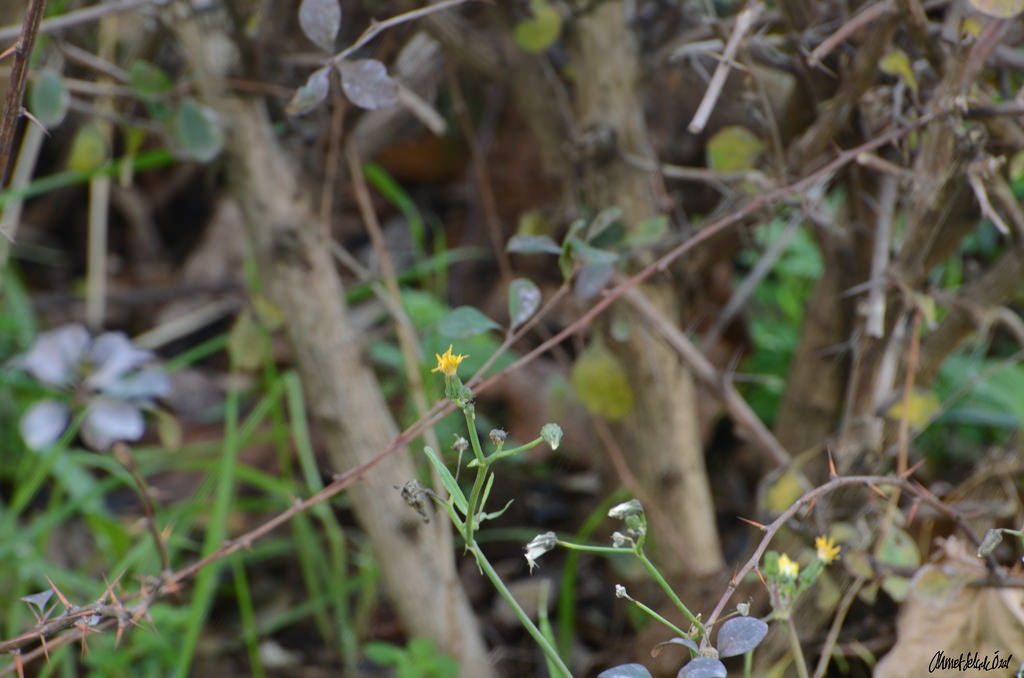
x=88, y=149
x=733, y=149
x=197, y=131
x=533, y=244
x=320, y=21
x=626, y=671
x=149, y=81
x=310, y=95
x=536, y=34
x=523, y=300
x=49, y=98
x=367, y=84
x=740, y=635
x=703, y=667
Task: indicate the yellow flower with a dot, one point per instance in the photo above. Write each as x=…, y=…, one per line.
x=448, y=363
x=787, y=567
x=827, y=549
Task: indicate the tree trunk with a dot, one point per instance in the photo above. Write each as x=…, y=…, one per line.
x=662, y=432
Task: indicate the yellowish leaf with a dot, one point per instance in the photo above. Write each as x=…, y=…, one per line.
x=897, y=63
x=733, y=149
x=1003, y=9
x=599, y=380
x=921, y=407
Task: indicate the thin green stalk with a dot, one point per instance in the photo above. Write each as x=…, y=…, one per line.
x=653, y=571
x=481, y=473
x=798, y=652
x=206, y=581
x=506, y=453
x=246, y=612
x=657, y=616
x=524, y=619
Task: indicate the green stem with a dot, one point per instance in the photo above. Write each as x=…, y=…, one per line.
x=481, y=473
x=657, y=616
x=524, y=619
x=653, y=571
x=502, y=454
x=798, y=653
x=593, y=549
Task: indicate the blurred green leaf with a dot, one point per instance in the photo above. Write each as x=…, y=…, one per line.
x=600, y=382
x=465, y=321
x=733, y=149
x=88, y=149
x=536, y=34
x=533, y=244
x=197, y=131
x=149, y=81
x=897, y=63
x=523, y=301
x=49, y=98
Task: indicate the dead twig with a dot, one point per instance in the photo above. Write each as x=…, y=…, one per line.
x=22, y=52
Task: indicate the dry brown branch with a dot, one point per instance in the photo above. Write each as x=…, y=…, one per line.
x=22, y=52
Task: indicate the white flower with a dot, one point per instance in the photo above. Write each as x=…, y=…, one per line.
x=538, y=546
x=626, y=509
x=107, y=370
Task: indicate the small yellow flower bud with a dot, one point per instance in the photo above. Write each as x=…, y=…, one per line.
x=787, y=567
x=827, y=549
x=448, y=363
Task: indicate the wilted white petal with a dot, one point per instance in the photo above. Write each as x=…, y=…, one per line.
x=109, y=421
x=626, y=509
x=43, y=423
x=144, y=385
x=54, y=355
x=620, y=591
x=113, y=354
x=538, y=546
x=620, y=540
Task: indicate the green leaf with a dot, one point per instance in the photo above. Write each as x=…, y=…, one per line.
x=245, y=342
x=149, y=81
x=465, y=321
x=899, y=550
x=49, y=98
x=589, y=254
x=448, y=480
x=733, y=149
x=88, y=149
x=197, y=131
x=168, y=430
x=600, y=383
x=533, y=244
x=523, y=301
x=897, y=63
x=604, y=220
x=536, y=34
x=648, y=232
